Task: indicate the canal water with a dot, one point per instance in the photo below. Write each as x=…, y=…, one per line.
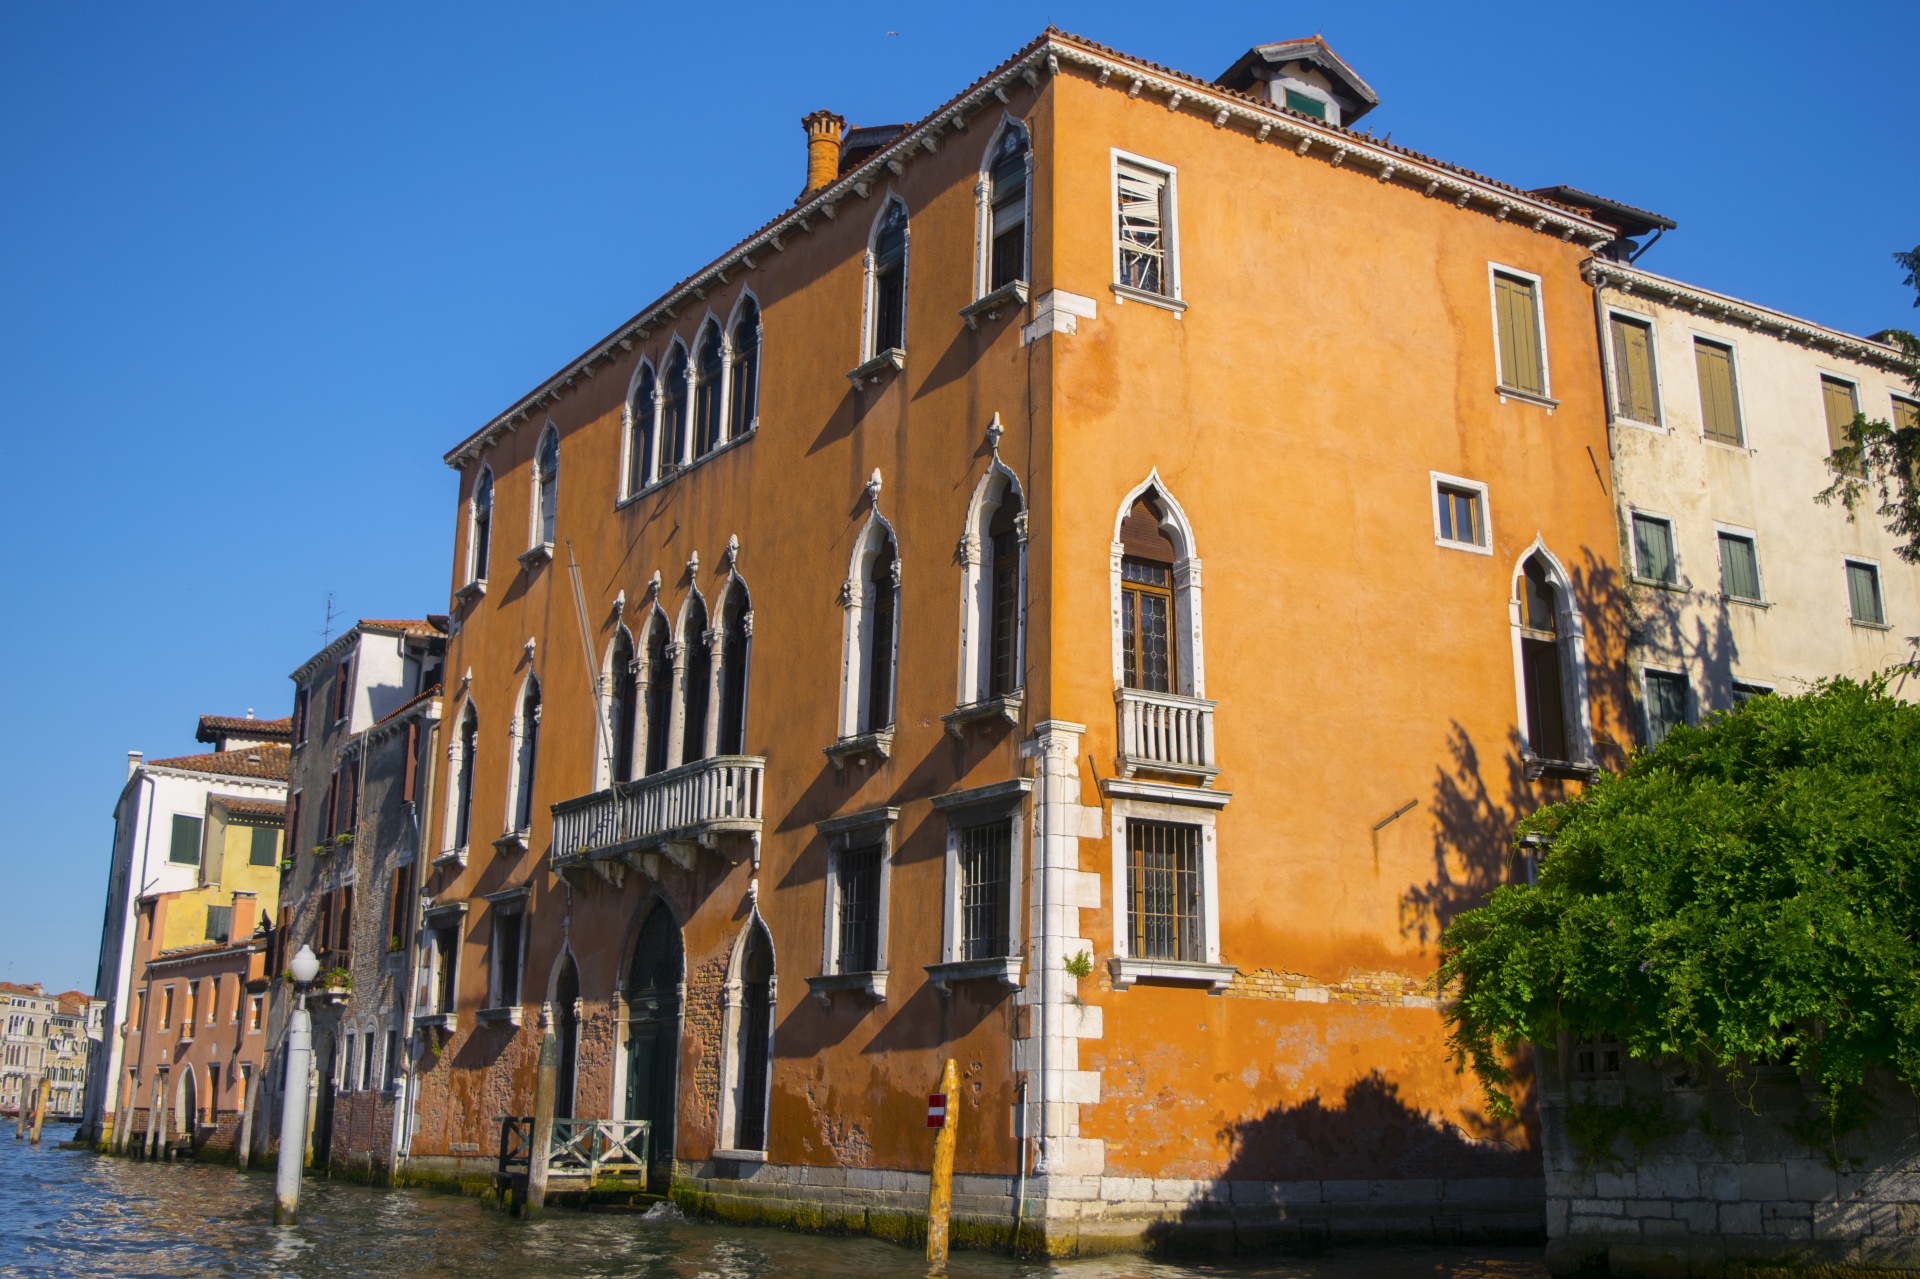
x=69, y=1212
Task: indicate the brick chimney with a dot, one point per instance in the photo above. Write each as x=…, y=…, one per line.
x=133, y=761
x=824, y=130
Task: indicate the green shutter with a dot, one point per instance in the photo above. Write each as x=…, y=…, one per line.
x=185, y=847
x=1719, y=414
x=1666, y=704
x=1653, y=549
x=266, y=846
x=1633, y=371
x=1863, y=594
x=1739, y=568
x=1520, y=365
x=1841, y=409
x=1305, y=105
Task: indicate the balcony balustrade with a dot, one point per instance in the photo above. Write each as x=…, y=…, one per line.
x=697, y=805
x=1166, y=733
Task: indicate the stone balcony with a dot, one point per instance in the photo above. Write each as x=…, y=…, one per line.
x=711, y=803
x=1165, y=733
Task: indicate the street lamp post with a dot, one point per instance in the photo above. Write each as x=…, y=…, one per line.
x=293, y=1113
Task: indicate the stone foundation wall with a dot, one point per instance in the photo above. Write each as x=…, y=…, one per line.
x=1718, y=1179
x=1074, y=1216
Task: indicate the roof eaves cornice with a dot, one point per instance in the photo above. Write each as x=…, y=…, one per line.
x=1045, y=55
x=225, y=779
x=327, y=654
x=1764, y=320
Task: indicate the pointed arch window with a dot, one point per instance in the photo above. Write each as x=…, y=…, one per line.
x=1550, y=666
x=622, y=707
x=480, y=535
x=1149, y=636
x=659, y=693
x=526, y=755
x=546, y=491
x=708, y=383
x=749, y=1041
x=462, y=780
x=887, y=292
x=653, y=1031
x=697, y=678
x=993, y=590
x=736, y=638
x=673, y=412
x=1007, y=209
x=744, y=413
x=566, y=1004
x=882, y=589
x=640, y=437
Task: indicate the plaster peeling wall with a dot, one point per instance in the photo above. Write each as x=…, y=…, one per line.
x=704, y=1009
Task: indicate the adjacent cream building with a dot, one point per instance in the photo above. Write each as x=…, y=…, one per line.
x=1736, y=581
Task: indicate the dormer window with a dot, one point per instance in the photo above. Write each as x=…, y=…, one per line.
x=1304, y=76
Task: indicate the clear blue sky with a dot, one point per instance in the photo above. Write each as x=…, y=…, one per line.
x=261, y=264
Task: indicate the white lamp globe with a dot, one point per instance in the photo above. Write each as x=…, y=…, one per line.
x=304, y=966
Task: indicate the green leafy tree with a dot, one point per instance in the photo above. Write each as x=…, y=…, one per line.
x=1746, y=892
x=1881, y=460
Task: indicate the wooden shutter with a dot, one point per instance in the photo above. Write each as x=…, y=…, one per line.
x=411, y=768
x=1633, y=371
x=1841, y=409
x=1520, y=364
x=1719, y=412
x=1906, y=415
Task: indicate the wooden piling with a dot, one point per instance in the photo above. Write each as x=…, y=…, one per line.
x=244, y=1142
x=546, y=1083
x=940, y=1186
x=40, y=1108
x=156, y=1116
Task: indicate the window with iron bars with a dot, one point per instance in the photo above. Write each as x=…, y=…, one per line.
x=1163, y=891
x=986, y=854
x=857, y=871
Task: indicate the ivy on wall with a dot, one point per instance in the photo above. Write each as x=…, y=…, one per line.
x=1747, y=892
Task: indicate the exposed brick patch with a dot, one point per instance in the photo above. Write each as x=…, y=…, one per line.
x=1383, y=989
x=706, y=999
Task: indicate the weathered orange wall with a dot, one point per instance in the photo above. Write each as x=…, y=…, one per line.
x=1338, y=345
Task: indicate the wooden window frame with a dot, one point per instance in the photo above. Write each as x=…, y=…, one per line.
x=1687, y=699
x=1506, y=389
x=1879, y=592
x=1437, y=484
x=1723, y=531
x=1638, y=573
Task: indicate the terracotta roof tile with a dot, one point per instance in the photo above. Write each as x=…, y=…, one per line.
x=265, y=809
x=266, y=762
x=214, y=727
x=411, y=627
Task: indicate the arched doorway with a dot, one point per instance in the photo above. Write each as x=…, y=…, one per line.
x=756, y=1038
x=186, y=1113
x=566, y=1028
x=653, y=1036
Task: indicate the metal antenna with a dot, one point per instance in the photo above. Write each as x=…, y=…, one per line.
x=326, y=632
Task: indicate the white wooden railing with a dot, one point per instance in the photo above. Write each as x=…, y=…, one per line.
x=580, y=1147
x=706, y=796
x=1165, y=733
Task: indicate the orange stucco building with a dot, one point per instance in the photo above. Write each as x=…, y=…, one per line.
x=905, y=724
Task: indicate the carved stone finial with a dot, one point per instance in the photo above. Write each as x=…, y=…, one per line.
x=731, y=555
x=531, y=644
x=653, y=584
x=466, y=678
x=693, y=564
x=994, y=432
x=620, y=602
x=873, y=485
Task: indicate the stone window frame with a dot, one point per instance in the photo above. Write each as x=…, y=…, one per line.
x=1190, y=679
x=1659, y=425
x=733, y=1006
x=963, y=810
x=1506, y=390
x=1577, y=708
x=983, y=289
x=1483, y=503
x=842, y=834
x=975, y=678
x=1189, y=806
x=507, y=904
x=445, y=917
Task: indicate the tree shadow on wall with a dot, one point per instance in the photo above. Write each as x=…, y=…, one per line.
x=1472, y=833
x=1371, y=1135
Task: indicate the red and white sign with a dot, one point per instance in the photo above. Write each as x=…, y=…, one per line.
x=936, y=1110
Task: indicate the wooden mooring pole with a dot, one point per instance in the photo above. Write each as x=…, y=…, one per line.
x=40, y=1109
x=943, y=1116
x=546, y=1085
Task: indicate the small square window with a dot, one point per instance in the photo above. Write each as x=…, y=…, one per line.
x=1863, y=594
x=1666, y=704
x=1739, y=568
x=1305, y=105
x=1460, y=515
x=1653, y=558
